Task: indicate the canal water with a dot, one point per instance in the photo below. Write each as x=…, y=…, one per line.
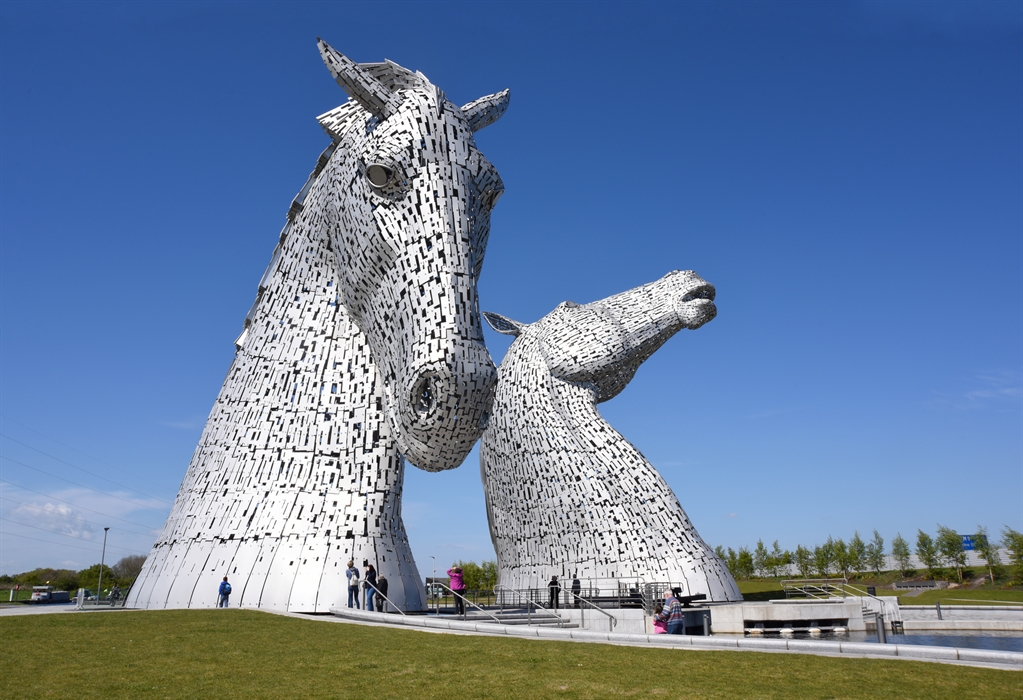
x=992, y=641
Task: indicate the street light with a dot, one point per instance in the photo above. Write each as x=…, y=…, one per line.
x=102, y=560
x=433, y=581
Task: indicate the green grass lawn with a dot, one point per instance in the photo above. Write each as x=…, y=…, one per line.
x=769, y=589
x=247, y=654
x=761, y=590
x=960, y=596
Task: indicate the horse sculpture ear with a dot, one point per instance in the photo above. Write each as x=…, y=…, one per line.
x=359, y=84
x=486, y=110
x=503, y=324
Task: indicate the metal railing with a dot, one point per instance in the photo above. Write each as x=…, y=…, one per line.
x=81, y=601
x=885, y=610
x=816, y=587
x=612, y=620
x=466, y=601
x=378, y=593
x=602, y=592
x=529, y=614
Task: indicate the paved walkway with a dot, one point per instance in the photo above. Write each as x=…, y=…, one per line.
x=1006, y=660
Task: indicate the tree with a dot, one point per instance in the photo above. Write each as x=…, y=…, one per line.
x=874, y=554
x=824, y=557
x=857, y=553
x=733, y=563
x=89, y=578
x=127, y=568
x=950, y=545
x=841, y=556
x=479, y=577
x=744, y=563
x=987, y=550
x=804, y=561
x=720, y=552
x=1013, y=541
x=900, y=553
x=760, y=557
x=778, y=558
x=927, y=552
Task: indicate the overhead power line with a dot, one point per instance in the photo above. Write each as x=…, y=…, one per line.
x=109, y=495
x=29, y=505
x=85, y=454
x=75, y=466
x=60, y=534
x=64, y=544
x=91, y=510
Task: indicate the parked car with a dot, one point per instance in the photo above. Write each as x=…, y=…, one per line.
x=46, y=594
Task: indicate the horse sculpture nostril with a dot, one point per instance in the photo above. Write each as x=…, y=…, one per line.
x=423, y=396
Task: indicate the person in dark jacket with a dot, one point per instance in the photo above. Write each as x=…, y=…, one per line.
x=577, y=588
x=554, y=592
x=382, y=589
x=371, y=585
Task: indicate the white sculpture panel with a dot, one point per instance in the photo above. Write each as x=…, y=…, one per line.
x=566, y=493
x=363, y=349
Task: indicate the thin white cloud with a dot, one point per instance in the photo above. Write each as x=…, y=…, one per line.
x=58, y=518
x=992, y=391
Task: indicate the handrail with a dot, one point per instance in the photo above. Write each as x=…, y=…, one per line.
x=612, y=620
x=886, y=616
x=370, y=585
x=529, y=619
x=466, y=600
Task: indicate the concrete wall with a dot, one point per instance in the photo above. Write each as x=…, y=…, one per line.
x=732, y=618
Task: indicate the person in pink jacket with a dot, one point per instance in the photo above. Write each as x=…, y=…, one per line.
x=458, y=586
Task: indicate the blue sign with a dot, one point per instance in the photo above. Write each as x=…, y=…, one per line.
x=968, y=543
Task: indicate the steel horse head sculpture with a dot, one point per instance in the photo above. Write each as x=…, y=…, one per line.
x=566, y=493
x=408, y=215
x=363, y=348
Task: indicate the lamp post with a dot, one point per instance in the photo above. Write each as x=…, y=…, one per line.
x=102, y=561
x=433, y=581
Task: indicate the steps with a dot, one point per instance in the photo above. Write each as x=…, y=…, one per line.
x=513, y=617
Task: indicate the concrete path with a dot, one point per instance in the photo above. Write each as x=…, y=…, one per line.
x=1006, y=660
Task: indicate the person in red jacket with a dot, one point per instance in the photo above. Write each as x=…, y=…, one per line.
x=458, y=586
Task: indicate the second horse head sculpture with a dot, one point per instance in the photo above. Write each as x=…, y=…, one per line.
x=566, y=493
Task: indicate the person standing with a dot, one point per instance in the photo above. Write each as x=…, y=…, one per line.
x=458, y=587
x=371, y=585
x=382, y=590
x=672, y=614
x=577, y=588
x=353, y=585
x=224, y=592
x=554, y=592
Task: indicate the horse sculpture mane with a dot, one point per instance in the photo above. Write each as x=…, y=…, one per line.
x=363, y=347
x=566, y=493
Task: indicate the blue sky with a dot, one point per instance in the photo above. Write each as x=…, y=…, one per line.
x=848, y=175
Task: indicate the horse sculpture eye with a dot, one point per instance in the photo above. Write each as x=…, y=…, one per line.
x=379, y=175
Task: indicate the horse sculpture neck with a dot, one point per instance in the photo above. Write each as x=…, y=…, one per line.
x=300, y=466
x=566, y=493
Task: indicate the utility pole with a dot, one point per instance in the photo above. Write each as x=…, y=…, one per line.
x=102, y=560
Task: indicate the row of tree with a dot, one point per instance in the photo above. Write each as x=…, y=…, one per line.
x=122, y=573
x=946, y=548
